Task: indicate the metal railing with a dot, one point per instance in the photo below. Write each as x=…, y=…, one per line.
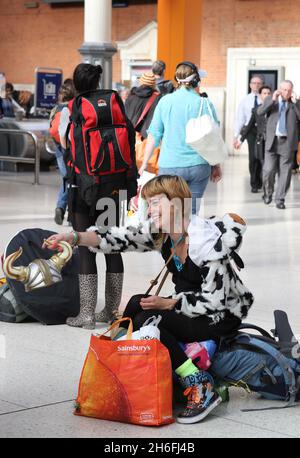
x=25, y=160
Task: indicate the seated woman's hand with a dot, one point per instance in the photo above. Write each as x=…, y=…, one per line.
x=157, y=303
x=52, y=242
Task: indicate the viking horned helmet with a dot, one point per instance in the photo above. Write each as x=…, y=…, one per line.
x=40, y=272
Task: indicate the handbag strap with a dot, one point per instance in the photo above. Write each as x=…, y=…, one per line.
x=117, y=322
x=204, y=101
x=155, y=281
x=201, y=106
x=146, y=108
x=209, y=109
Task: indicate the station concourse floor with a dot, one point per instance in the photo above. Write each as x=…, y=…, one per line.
x=40, y=365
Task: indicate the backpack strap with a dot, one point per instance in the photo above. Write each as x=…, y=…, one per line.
x=288, y=373
x=256, y=328
x=146, y=109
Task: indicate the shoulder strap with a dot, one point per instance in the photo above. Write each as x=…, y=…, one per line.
x=201, y=106
x=67, y=135
x=155, y=281
x=209, y=108
x=147, y=108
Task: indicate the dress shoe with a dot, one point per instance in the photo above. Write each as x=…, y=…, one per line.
x=59, y=216
x=267, y=199
x=254, y=190
x=280, y=205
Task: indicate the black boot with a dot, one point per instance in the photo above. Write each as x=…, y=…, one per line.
x=59, y=215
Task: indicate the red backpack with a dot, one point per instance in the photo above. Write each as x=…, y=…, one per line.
x=54, y=122
x=100, y=134
x=102, y=143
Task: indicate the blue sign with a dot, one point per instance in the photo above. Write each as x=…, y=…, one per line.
x=47, y=87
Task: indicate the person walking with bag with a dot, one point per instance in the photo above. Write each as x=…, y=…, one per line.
x=247, y=104
x=209, y=301
x=258, y=122
x=65, y=94
x=168, y=126
x=139, y=107
x=101, y=165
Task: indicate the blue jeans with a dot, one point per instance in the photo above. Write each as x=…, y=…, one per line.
x=196, y=177
x=62, y=198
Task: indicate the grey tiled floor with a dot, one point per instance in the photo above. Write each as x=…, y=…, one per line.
x=40, y=366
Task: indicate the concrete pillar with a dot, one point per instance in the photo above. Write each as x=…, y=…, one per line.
x=97, y=47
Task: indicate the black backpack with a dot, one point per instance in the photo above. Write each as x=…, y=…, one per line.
x=102, y=145
x=49, y=305
x=10, y=310
x=166, y=87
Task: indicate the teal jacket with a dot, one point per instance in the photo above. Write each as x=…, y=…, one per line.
x=168, y=127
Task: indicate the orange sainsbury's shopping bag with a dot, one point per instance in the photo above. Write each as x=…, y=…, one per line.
x=128, y=381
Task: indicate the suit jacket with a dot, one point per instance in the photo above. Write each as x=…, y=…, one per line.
x=271, y=108
x=257, y=125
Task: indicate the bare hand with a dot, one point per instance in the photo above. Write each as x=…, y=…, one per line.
x=157, y=303
x=236, y=143
x=216, y=173
x=142, y=169
x=294, y=97
x=52, y=242
x=276, y=94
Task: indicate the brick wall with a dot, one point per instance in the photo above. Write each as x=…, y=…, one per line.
x=50, y=36
x=245, y=23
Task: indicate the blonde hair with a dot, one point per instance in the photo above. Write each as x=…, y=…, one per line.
x=176, y=189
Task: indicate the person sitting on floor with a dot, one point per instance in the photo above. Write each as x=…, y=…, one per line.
x=209, y=301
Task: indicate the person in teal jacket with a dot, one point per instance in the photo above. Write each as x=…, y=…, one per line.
x=167, y=129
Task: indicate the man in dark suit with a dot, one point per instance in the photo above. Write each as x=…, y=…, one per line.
x=281, y=141
x=259, y=123
x=244, y=112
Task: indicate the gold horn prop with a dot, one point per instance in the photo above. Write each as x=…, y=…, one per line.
x=40, y=272
x=19, y=273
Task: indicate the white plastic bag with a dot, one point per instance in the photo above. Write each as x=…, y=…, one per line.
x=138, y=206
x=148, y=331
x=203, y=135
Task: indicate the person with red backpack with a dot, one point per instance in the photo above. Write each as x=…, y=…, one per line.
x=65, y=94
x=101, y=168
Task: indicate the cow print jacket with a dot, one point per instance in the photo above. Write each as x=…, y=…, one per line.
x=212, y=243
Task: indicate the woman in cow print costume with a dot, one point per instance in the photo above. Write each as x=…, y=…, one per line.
x=210, y=299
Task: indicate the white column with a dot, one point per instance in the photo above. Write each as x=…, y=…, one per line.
x=97, y=21
x=97, y=47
